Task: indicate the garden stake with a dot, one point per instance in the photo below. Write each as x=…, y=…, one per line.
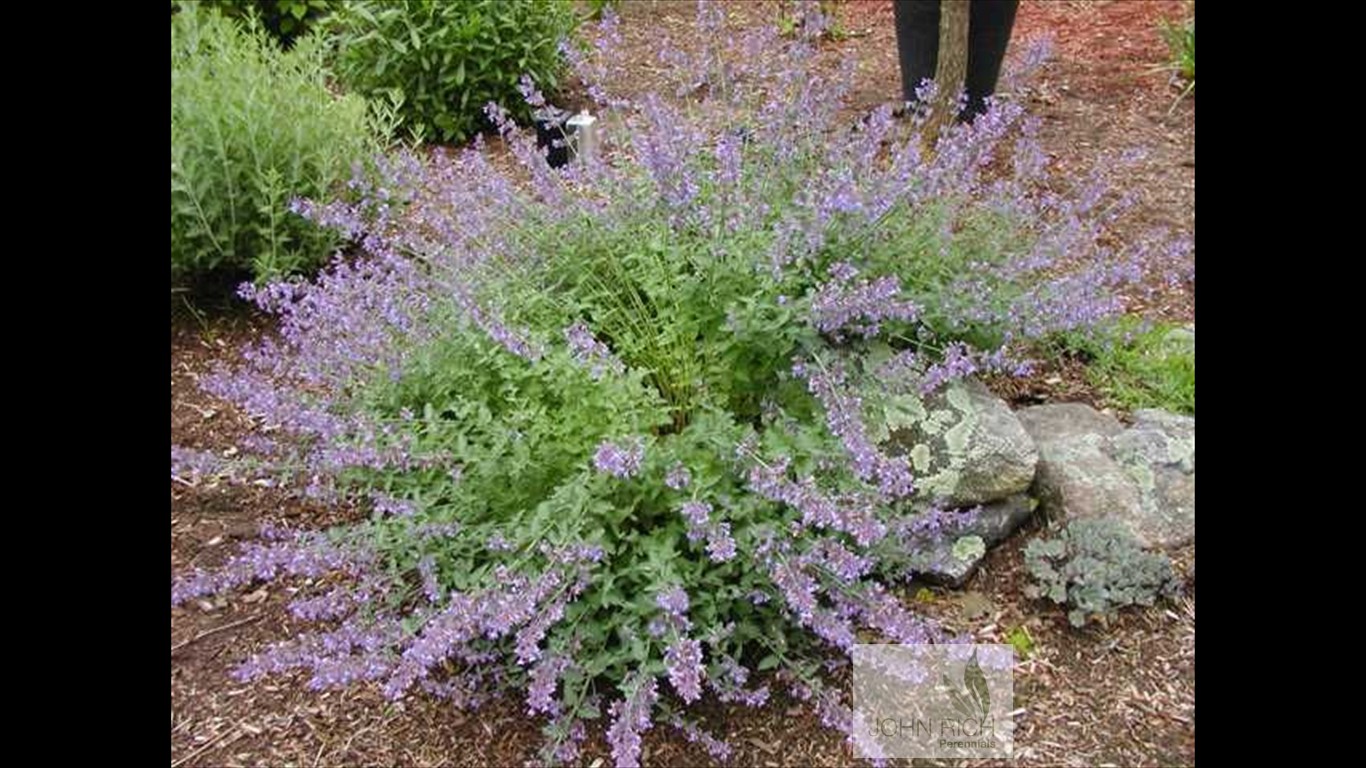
x=583, y=136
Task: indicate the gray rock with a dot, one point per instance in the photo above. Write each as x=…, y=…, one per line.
x=1143, y=477
x=965, y=444
x=952, y=562
x=1057, y=421
x=1166, y=438
x=1078, y=478
x=1158, y=453
x=999, y=519
x=1179, y=340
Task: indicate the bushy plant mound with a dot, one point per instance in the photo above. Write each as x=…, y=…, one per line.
x=285, y=20
x=1096, y=567
x=449, y=59
x=253, y=127
x=610, y=419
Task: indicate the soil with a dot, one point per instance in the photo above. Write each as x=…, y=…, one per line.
x=1121, y=694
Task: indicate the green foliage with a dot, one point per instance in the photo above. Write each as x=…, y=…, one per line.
x=791, y=19
x=286, y=20
x=595, y=8
x=526, y=437
x=1020, y=639
x=1097, y=567
x=1136, y=368
x=1181, y=41
x=253, y=127
x=449, y=59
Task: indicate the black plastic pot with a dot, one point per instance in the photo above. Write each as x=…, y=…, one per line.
x=553, y=133
x=917, y=43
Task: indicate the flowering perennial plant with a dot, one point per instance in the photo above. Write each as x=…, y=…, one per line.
x=613, y=419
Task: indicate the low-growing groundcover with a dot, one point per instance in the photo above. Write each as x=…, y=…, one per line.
x=1137, y=365
x=614, y=422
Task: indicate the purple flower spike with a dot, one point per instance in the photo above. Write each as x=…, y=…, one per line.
x=620, y=460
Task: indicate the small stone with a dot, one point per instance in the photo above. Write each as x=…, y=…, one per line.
x=946, y=564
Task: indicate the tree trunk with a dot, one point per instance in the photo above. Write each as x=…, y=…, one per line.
x=951, y=65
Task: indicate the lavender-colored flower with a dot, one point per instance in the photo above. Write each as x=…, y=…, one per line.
x=620, y=460
x=720, y=544
x=188, y=463
x=836, y=558
x=683, y=661
x=566, y=751
x=530, y=636
x=630, y=717
x=308, y=554
x=729, y=684
x=718, y=749
x=545, y=677
x=431, y=585
x=728, y=159
x=335, y=604
x=674, y=601
x=698, y=516
x=449, y=240
x=591, y=352
x=678, y=477
x=798, y=590
x=851, y=513
x=837, y=305
x=388, y=505
x=844, y=415
x=958, y=363
x=656, y=627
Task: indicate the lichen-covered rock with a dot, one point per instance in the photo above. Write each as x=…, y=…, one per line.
x=1158, y=453
x=950, y=562
x=1090, y=467
x=965, y=445
x=1160, y=437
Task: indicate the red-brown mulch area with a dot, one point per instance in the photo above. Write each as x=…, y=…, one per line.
x=1121, y=694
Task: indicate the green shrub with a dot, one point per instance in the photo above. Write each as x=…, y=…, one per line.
x=286, y=20
x=448, y=60
x=1097, y=567
x=253, y=127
